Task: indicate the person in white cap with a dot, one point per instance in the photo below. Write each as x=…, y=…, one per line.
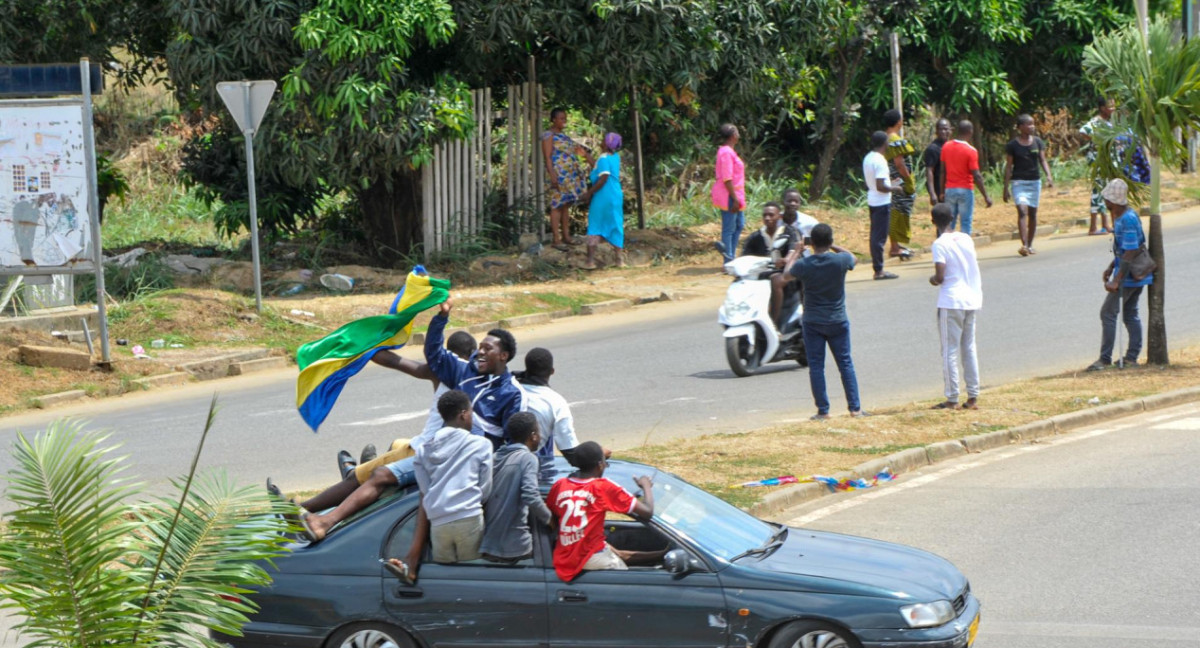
x=1123, y=288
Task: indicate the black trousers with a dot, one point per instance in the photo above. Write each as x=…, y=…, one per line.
x=880, y=222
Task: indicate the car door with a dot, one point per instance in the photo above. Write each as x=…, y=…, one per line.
x=476, y=604
x=643, y=606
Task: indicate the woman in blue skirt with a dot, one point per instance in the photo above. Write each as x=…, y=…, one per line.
x=606, y=210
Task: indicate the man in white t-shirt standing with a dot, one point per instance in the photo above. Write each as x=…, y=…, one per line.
x=879, y=200
x=956, y=271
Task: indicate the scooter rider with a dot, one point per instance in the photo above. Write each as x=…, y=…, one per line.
x=776, y=240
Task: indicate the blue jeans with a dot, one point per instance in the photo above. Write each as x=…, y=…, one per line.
x=962, y=204
x=404, y=471
x=732, y=223
x=1125, y=301
x=837, y=336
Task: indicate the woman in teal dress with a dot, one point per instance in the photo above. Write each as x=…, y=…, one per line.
x=567, y=179
x=606, y=211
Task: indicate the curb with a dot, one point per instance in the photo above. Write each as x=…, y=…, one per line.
x=50, y=400
x=913, y=458
x=218, y=367
x=261, y=364
x=524, y=320
x=610, y=306
x=165, y=380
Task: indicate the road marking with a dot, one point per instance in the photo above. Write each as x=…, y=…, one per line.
x=922, y=480
x=591, y=401
x=385, y=420
x=1089, y=630
x=1179, y=424
x=274, y=412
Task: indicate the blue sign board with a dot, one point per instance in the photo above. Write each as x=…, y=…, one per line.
x=46, y=80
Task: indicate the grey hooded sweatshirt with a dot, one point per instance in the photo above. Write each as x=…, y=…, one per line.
x=454, y=472
x=515, y=497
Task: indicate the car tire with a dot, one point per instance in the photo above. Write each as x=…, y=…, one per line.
x=370, y=635
x=812, y=634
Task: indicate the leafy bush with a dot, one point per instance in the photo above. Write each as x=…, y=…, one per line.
x=84, y=566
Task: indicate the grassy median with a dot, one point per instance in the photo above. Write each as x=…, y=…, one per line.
x=718, y=461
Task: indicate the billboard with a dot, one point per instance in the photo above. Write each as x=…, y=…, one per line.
x=44, y=220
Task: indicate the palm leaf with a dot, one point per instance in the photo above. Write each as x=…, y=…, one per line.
x=209, y=553
x=62, y=545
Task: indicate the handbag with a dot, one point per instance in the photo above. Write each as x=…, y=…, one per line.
x=1141, y=265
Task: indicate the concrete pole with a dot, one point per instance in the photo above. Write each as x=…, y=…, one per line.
x=253, y=199
x=897, y=84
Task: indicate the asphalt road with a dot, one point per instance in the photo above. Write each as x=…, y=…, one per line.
x=1082, y=541
x=658, y=372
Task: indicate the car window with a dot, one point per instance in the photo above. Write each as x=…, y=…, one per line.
x=401, y=539
x=715, y=525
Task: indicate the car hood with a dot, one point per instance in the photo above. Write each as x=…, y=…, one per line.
x=883, y=568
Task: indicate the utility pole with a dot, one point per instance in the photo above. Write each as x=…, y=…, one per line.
x=897, y=85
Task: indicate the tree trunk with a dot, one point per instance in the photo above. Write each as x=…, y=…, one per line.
x=837, y=124
x=390, y=210
x=1156, y=321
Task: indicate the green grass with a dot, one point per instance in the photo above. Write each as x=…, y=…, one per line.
x=160, y=211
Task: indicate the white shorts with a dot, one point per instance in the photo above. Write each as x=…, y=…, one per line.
x=606, y=558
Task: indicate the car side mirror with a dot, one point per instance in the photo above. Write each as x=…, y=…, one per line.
x=680, y=562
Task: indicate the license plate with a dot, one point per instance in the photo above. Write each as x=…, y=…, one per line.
x=972, y=631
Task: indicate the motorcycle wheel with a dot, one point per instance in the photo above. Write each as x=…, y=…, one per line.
x=743, y=360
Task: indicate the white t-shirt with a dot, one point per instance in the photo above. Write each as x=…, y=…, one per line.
x=434, y=422
x=962, y=288
x=553, y=415
x=875, y=167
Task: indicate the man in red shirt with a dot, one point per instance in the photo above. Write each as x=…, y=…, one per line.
x=579, y=503
x=960, y=175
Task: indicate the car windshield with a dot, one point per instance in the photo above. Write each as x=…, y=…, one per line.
x=719, y=527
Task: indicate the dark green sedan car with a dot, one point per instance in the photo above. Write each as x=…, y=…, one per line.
x=727, y=579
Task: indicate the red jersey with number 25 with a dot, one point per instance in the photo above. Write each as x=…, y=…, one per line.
x=580, y=505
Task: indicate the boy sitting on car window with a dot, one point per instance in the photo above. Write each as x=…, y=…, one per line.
x=515, y=495
x=579, y=503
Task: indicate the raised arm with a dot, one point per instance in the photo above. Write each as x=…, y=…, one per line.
x=444, y=365
x=392, y=360
x=644, y=508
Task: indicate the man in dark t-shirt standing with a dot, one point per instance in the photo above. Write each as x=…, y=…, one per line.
x=823, y=275
x=935, y=184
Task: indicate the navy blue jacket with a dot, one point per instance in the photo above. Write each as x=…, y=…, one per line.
x=494, y=397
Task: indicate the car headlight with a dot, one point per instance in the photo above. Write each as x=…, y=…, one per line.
x=927, y=615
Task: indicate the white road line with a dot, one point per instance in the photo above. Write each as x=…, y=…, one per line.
x=385, y=420
x=274, y=412
x=591, y=401
x=1043, y=629
x=922, y=480
x=1179, y=424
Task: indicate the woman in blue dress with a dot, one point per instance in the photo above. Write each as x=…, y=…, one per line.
x=606, y=209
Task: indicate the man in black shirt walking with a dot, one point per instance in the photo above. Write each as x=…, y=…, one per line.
x=935, y=184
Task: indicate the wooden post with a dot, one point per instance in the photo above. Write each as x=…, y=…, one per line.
x=637, y=159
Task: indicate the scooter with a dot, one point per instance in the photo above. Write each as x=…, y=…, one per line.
x=751, y=337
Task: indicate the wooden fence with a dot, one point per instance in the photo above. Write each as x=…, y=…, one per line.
x=456, y=183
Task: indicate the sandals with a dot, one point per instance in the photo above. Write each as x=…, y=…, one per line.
x=904, y=254
x=819, y=417
x=399, y=570
x=1024, y=251
x=308, y=531
x=886, y=275
x=945, y=405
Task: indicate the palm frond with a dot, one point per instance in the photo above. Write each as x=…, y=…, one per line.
x=210, y=553
x=63, y=543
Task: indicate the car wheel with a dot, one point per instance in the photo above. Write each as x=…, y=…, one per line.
x=810, y=634
x=369, y=635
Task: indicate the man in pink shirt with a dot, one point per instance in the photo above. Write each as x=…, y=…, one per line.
x=729, y=192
